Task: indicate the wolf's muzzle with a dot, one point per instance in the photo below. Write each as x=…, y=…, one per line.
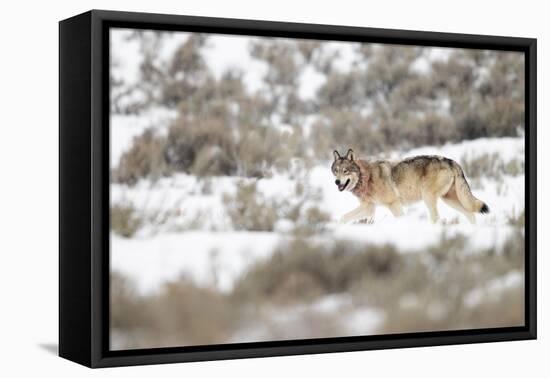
x=340, y=185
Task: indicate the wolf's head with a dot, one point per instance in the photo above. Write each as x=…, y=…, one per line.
x=346, y=170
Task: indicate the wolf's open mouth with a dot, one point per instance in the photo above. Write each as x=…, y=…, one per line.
x=342, y=187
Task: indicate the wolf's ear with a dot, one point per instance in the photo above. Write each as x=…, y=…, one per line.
x=336, y=155
x=350, y=155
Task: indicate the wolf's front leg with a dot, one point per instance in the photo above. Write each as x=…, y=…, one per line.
x=365, y=210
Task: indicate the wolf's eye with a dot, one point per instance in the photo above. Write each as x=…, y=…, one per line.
x=345, y=171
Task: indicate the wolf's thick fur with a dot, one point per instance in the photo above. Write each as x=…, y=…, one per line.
x=394, y=184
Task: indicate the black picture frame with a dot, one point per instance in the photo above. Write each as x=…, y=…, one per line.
x=84, y=192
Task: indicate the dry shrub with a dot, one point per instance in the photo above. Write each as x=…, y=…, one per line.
x=181, y=313
x=255, y=151
x=434, y=314
x=517, y=219
x=309, y=220
x=145, y=159
x=491, y=166
x=204, y=147
x=514, y=167
x=300, y=270
x=211, y=139
x=504, y=116
x=380, y=277
x=125, y=221
x=430, y=129
x=439, y=287
x=249, y=210
x=126, y=305
x=190, y=315
x=342, y=90
x=186, y=73
x=342, y=129
x=380, y=103
x=208, y=147
x=485, y=165
x=425, y=290
x=491, y=117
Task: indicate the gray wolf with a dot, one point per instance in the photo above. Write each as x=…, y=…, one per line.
x=395, y=184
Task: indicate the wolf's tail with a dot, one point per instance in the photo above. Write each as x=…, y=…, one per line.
x=465, y=196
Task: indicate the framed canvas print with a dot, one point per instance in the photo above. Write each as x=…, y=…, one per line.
x=234, y=188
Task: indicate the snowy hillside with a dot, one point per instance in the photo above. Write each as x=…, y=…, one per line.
x=160, y=252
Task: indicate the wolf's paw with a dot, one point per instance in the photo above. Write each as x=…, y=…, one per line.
x=369, y=220
x=343, y=220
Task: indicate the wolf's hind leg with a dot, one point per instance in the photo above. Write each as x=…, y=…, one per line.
x=431, y=203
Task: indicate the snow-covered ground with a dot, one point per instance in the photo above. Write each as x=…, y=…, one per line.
x=215, y=253
x=208, y=258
